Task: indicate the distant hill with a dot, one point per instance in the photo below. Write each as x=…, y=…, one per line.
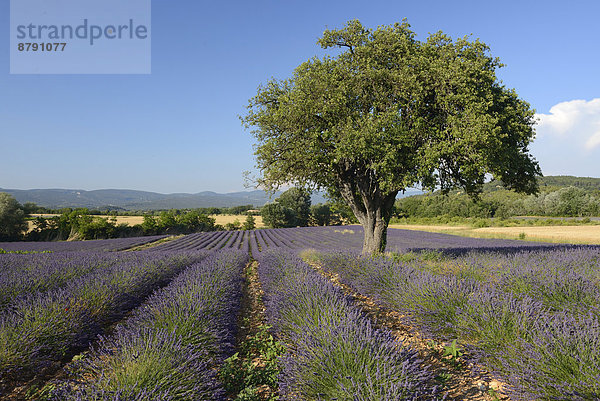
x=125, y=199
x=554, y=182
x=587, y=183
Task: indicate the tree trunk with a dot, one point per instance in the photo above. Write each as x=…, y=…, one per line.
x=373, y=210
x=375, y=234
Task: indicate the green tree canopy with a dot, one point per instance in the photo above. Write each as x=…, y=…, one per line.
x=390, y=112
x=250, y=223
x=298, y=200
x=321, y=215
x=12, y=218
x=274, y=215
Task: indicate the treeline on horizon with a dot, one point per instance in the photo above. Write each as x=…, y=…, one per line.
x=32, y=208
x=559, y=196
x=292, y=209
x=83, y=224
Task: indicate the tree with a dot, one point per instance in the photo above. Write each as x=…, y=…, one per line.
x=167, y=222
x=236, y=225
x=98, y=228
x=276, y=216
x=30, y=207
x=149, y=226
x=193, y=221
x=12, y=218
x=387, y=113
x=321, y=215
x=297, y=200
x=250, y=223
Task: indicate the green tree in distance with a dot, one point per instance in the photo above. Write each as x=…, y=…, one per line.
x=12, y=218
x=389, y=112
x=274, y=215
x=298, y=200
x=321, y=215
x=250, y=223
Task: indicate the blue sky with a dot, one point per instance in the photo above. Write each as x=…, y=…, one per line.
x=177, y=129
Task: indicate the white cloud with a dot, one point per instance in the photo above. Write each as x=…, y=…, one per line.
x=576, y=122
x=593, y=141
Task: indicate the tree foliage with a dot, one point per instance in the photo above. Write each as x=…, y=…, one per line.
x=390, y=112
x=321, y=215
x=298, y=201
x=250, y=223
x=553, y=201
x=291, y=209
x=12, y=218
x=274, y=215
x=78, y=224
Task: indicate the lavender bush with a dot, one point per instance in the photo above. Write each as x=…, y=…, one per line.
x=559, y=362
x=334, y=237
x=42, y=328
x=531, y=317
x=334, y=352
x=170, y=346
x=28, y=274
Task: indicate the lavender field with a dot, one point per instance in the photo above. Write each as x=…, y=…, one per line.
x=336, y=238
x=73, y=246
x=530, y=317
x=92, y=320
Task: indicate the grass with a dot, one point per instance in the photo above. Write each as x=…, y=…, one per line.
x=253, y=372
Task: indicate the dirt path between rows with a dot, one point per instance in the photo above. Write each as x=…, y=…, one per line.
x=253, y=334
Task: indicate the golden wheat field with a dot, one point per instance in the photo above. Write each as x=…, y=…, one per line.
x=574, y=234
x=221, y=219
x=561, y=234
x=432, y=228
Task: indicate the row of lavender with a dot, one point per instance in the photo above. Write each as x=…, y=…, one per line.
x=45, y=325
x=170, y=346
x=31, y=273
x=533, y=317
x=334, y=352
x=213, y=240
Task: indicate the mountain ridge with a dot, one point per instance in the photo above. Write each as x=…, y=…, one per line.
x=130, y=199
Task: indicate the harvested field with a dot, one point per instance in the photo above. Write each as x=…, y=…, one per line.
x=435, y=228
x=583, y=234
x=223, y=219
x=129, y=220
x=570, y=234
